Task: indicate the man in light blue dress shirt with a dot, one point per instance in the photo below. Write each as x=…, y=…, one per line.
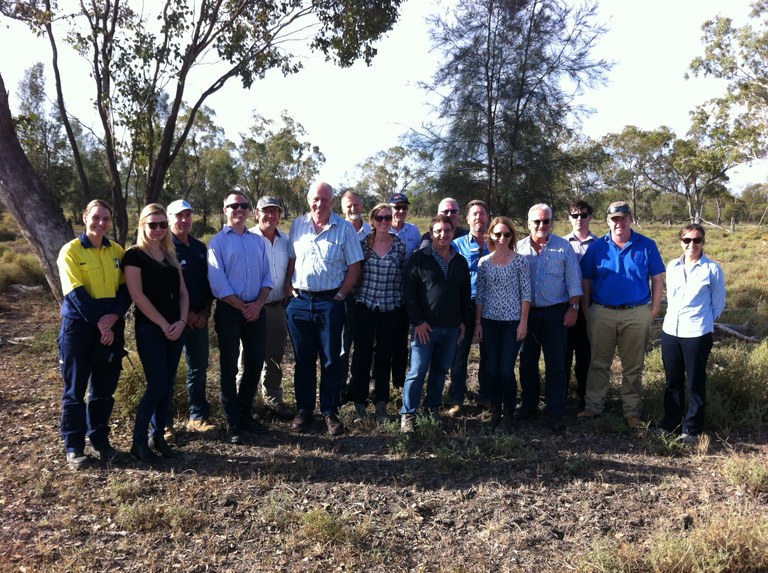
x=326, y=255
x=556, y=291
x=240, y=276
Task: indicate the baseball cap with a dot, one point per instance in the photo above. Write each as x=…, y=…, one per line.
x=619, y=208
x=178, y=206
x=398, y=198
x=268, y=201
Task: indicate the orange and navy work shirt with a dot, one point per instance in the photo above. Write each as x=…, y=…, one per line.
x=92, y=280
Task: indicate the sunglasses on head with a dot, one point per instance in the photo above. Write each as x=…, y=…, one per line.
x=579, y=215
x=695, y=240
x=380, y=218
x=449, y=211
x=498, y=236
x=538, y=222
x=234, y=206
x=155, y=224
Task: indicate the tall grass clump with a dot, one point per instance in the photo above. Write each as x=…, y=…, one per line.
x=17, y=268
x=724, y=542
x=749, y=473
x=738, y=387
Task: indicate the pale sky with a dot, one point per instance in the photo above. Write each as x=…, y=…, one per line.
x=353, y=113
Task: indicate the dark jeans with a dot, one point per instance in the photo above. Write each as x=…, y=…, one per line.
x=578, y=347
x=160, y=360
x=232, y=329
x=400, y=348
x=374, y=329
x=315, y=324
x=500, y=347
x=196, y=349
x=685, y=357
x=83, y=360
x=546, y=333
x=347, y=337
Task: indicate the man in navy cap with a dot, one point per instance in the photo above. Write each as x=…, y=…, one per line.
x=192, y=255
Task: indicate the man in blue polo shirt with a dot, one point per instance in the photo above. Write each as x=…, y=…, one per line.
x=617, y=270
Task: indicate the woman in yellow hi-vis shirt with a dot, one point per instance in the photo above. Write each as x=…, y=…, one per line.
x=91, y=338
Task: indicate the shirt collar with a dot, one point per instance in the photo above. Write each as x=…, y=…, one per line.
x=87, y=244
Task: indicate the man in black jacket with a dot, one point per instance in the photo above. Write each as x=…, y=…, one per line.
x=436, y=294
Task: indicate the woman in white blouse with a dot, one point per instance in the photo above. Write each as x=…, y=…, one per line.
x=695, y=299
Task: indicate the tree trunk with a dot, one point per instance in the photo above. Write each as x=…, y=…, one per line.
x=32, y=205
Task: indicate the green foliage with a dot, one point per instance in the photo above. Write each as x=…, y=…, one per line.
x=18, y=268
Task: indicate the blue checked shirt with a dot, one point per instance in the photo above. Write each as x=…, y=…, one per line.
x=322, y=259
x=381, y=287
x=555, y=273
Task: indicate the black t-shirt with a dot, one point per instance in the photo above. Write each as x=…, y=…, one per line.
x=159, y=282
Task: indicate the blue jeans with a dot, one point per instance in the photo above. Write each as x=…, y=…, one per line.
x=435, y=356
x=232, y=329
x=196, y=350
x=315, y=324
x=84, y=360
x=160, y=360
x=500, y=348
x=546, y=333
x=374, y=333
x=685, y=357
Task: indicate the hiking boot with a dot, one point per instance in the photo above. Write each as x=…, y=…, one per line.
x=234, y=435
x=105, y=454
x=634, y=422
x=302, y=422
x=162, y=447
x=455, y=410
x=143, y=452
x=201, y=425
x=334, y=425
x=361, y=414
x=381, y=412
x=587, y=414
x=77, y=460
x=407, y=423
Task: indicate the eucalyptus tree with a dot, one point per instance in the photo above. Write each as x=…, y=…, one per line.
x=506, y=90
x=398, y=169
x=145, y=61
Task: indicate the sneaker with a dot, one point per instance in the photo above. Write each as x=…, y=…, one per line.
x=689, y=439
x=634, y=422
x=334, y=425
x=202, y=425
x=407, y=423
x=105, y=454
x=381, y=412
x=77, y=460
x=455, y=410
x=587, y=414
x=234, y=435
x=282, y=412
x=361, y=414
x=170, y=434
x=302, y=422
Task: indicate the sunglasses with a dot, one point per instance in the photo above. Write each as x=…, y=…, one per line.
x=579, y=215
x=498, y=236
x=694, y=240
x=400, y=207
x=155, y=224
x=538, y=222
x=449, y=211
x=619, y=209
x=380, y=218
x=234, y=206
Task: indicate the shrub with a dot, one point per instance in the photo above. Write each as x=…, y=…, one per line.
x=16, y=268
x=750, y=473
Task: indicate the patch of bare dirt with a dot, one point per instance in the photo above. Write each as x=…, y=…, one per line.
x=455, y=499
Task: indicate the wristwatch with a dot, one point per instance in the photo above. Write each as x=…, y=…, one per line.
x=575, y=306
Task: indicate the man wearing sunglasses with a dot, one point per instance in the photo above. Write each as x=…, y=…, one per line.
x=580, y=216
x=556, y=291
x=326, y=255
x=623, y=272
x=450, y=208
x=241, y=279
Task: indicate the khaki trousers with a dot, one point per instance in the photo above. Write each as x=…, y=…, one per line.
x=628, y=331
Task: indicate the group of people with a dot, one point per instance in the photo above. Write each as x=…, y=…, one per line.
x=351, y=293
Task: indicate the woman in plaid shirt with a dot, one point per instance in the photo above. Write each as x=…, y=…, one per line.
x=379, y=299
